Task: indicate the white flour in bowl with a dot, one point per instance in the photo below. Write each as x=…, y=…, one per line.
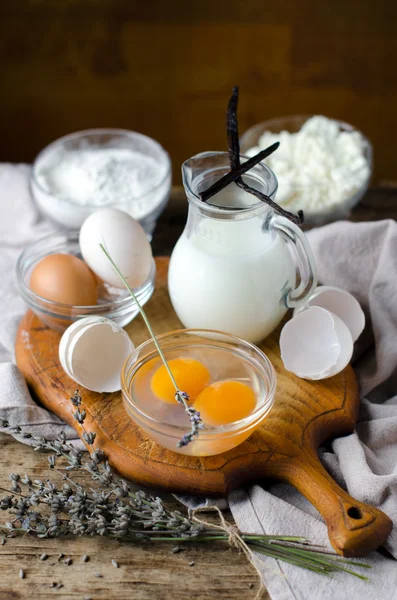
x=70, y=184
x=99, y=176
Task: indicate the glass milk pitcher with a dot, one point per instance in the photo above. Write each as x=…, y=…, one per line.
x=238, y=266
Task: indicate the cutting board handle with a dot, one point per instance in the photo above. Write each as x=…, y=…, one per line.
x=354, y=528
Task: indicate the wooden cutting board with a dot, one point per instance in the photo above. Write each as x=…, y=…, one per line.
x=305, y=413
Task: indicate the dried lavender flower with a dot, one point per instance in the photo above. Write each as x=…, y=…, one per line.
x=113, y=508
x=76, y=399
x=21, y=574
x=44, y=557
x=180, y=396
x=115, y=563
x=89, y=437
x=79, y=416
x=16, y=488
x=194, y=418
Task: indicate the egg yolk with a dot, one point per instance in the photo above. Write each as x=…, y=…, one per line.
x=224, y=402
x=191, y=376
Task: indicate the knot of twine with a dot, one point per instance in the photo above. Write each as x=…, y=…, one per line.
x=234, y=539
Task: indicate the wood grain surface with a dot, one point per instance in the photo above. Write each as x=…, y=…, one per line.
x=147, y=571
x=285, y=446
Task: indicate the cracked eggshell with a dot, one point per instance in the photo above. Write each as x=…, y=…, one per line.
x=315, y=344
x=346, y=347
x=340, y=303
x=67, y=338
x=93, y=353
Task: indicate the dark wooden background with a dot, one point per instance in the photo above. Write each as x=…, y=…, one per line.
x=166, y=68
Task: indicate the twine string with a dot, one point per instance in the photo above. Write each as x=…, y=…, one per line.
x=234, y=540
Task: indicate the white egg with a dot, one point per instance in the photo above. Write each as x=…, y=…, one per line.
x=125, y=241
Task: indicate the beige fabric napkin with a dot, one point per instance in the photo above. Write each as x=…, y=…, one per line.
x=361, y=258
x=20, y=224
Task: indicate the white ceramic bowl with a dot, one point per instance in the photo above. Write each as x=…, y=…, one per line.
x=71, y=214
x=293, y=124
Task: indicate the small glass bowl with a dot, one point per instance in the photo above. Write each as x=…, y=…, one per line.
x=230, y=350
x=293, y=124
x=115, y=304
x=71, y=214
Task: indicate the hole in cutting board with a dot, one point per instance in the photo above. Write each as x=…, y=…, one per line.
x=354, y=512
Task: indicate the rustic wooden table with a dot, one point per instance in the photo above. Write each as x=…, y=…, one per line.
x=147, y=571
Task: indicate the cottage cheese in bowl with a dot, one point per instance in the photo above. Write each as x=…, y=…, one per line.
x=323, y=166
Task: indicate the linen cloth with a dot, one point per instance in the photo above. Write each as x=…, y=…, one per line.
x=361, y=258
x=20, y=224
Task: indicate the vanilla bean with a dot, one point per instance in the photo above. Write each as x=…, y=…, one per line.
x=298, y=219
x=237, y=169
x=232, y=131
x=234, y=174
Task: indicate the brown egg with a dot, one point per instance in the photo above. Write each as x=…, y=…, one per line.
x=64, y=278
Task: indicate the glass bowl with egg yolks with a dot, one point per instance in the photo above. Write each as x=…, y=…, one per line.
x=230, y=381
x=113, y=303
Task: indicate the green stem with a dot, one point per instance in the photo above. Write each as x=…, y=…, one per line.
x=307, y=557
x=284, y=538
x=201, y=538
x=293, y=561
x=145, y=318
x=302, y=558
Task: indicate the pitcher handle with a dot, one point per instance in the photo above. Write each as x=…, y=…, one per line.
x=304, y=258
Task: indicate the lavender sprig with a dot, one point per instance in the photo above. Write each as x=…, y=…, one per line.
x=194, y=417
x=195, y=421
x=116, y=511
x=180, y=396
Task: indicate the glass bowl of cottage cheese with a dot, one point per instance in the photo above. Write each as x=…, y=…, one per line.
x=323, y=166
x=97, y=168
